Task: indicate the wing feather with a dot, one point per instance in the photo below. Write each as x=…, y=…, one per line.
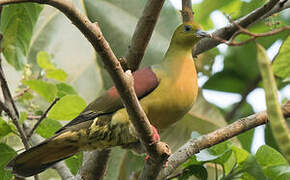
x=145, y=81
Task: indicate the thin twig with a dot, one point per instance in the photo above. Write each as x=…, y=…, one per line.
x=253, y=36
x=196, y=145
x=42, y=117
x=19, y=94
x=33, y=117
x=10, y=108
x=225, y=33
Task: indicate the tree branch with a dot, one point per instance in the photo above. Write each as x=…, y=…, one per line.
x=41, y=118
x=9, y=105
x=94, y=166
x=186, y=12
x=123, y=81
x=196, y=145
x=255, y=16
x=142, y=33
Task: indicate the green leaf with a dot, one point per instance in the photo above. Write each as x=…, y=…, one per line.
x=281, y=65
x=278, y=172
x=204, y=9
x=135, y=166
x=269, y=138
x=64, y=89
x=44, y=60
x=225, y=81
x=241, y=154
x=267, y=156
x=115, y=163
x=219, y=153
x=74, y=163
x=67, y=108
x=250, y=166
x=17, y=24
x=6, y=154
x=22, y=117
x=4, y=128
x=246, y=139
x=57, y=74
x=48, y=127
x=70, y=50
x=44, y=89
x=194, y=170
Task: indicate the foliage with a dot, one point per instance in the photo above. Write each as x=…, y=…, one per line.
x=236, y=163
x=51, y=58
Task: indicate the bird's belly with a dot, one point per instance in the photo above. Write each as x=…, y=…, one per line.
x=169, y=107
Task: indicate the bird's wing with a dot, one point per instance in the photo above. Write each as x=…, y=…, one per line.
x=145, y=81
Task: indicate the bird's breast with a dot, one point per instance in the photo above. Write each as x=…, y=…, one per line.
x=173, y=98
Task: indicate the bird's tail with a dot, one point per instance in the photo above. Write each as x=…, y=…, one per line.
x=42, y=156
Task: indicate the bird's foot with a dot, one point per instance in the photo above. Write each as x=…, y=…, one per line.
x=156, y=138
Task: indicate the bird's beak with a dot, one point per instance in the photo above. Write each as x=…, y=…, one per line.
x=202, y=34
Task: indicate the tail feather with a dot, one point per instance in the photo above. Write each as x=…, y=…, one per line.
x=42, y=156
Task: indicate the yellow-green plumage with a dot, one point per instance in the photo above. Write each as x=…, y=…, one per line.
x=105, y=123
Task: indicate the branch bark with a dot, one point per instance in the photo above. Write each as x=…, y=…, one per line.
x=9, y=105
x=94, y=166
x=255, y=16
x=196, y=145
x=186, y=12
x=142, y=33
x=41, y=118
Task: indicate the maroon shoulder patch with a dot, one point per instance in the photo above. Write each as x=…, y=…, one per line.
x=145, y=81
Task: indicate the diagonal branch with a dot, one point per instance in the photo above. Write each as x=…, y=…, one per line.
x=142, y=33
x=9, y=106
x=42, y=117
x=196, y=145
x=270, y=8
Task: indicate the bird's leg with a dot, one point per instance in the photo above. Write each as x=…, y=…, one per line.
x=156, y=136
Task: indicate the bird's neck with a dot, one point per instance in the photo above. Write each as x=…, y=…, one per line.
x=178, y=59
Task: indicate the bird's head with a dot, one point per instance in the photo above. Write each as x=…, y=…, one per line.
x=188, y=34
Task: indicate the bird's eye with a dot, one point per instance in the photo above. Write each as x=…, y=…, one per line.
x=187, y=28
